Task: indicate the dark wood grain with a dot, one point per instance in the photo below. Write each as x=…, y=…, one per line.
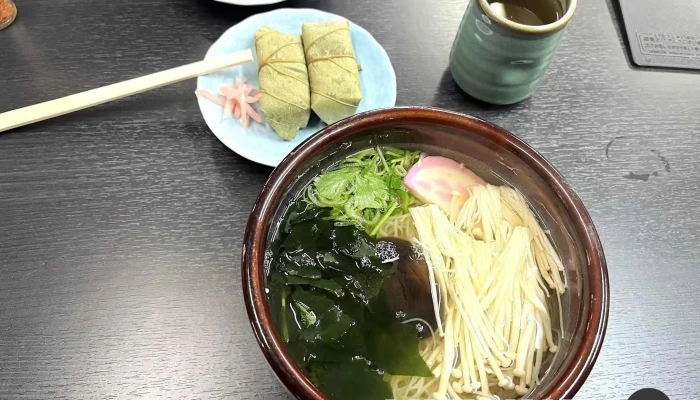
x=120, y=226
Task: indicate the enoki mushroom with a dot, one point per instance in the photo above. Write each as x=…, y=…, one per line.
x=494, y=268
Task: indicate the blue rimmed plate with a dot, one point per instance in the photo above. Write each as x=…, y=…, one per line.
x=259, y=142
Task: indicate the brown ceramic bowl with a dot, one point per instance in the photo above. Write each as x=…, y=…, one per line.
x=499, y=157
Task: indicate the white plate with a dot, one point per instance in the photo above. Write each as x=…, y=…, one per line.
x=259, y=142
x=250, y=2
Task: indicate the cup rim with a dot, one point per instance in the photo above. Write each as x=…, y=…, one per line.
x=548, y=28
x=267, y=203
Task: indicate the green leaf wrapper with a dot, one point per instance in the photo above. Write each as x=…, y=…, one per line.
x=284, y=81
x=333, y=70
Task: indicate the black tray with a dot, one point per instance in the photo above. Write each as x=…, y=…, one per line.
x=663, y=33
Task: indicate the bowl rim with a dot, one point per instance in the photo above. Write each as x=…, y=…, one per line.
x=255, y=238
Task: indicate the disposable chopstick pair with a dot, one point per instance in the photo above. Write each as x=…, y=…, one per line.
x=39, y=112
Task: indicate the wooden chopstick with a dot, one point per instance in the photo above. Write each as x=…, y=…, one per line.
x=39, y=112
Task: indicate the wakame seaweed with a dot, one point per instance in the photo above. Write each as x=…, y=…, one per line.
x=327, y=302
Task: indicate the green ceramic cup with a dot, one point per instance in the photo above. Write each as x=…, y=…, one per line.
x=500, y=61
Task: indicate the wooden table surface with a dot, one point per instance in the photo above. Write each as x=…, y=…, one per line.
x=121, y=226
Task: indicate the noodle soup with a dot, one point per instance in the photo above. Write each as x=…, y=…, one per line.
x=477, y=312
